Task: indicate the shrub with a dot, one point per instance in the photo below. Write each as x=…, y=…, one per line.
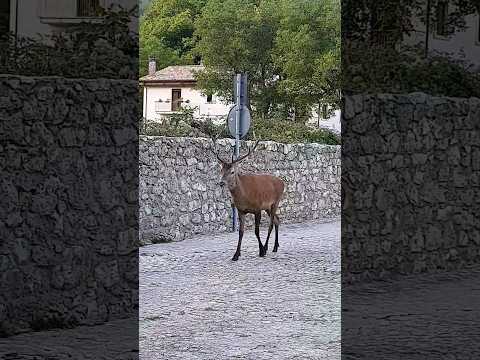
x=283, y=131
x=107, y=49
x=407, y=70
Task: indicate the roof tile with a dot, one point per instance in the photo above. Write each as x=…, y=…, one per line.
x=174, y=73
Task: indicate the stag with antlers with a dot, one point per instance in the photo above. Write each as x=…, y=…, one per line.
x=252, y=193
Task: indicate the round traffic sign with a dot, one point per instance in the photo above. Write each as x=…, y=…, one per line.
x=244, y=120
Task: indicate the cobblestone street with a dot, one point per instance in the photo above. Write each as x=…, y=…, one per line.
x=198, y=304
x=417, y=317
x=195, y=303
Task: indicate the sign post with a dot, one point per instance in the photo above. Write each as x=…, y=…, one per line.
x=238, y=113
x=239, y=122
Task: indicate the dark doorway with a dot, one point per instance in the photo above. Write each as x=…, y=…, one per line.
x=4, y=17
x=176, y=99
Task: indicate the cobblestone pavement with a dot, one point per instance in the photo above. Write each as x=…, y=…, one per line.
x=430, y=316
x=195, y=303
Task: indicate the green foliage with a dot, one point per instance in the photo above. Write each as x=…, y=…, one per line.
x=307, y=52
x=177, y=124
x=87, y=50
x=166, y=32
x=377, y=61
x=142, y=5
x=375, y=22
x=392, y=71
x=288, y=132
x=290, y=50
x=183, y=124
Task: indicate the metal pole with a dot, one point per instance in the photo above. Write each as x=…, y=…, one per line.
x=427, y=28
x=237, y=117
x=16, y=26
x=237, y=140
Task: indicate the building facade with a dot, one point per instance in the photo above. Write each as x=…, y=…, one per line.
x=29, y=18
x=460, y=43
x=167, y=91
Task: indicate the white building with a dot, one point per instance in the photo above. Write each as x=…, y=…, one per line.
x=32, y=17
x=333, y=122
x=461, y=43
x=166, y=91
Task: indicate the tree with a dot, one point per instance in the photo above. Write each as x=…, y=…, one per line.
x=379, y=28
x=166, y=31
x=387, y=22
x=237, y=36
x=307, y=50
x=290, y=51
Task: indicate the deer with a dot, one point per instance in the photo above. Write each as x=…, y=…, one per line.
x=252, y=193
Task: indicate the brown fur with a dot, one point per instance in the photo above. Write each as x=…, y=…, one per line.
x=252, y=194
x=257, y=192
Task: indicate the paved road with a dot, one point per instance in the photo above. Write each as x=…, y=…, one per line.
x=114, y=340
x=195, y=303
x=427, y=316
x=198, y=304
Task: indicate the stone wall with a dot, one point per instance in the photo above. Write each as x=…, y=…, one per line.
x=413, y=162
x=179, y=195
x=68, y=190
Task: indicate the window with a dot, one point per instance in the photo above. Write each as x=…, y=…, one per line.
x=4, y=17
x=176, y=99
x=442, y=17
x=88, y=8
x=209, y=98
x=158, y=105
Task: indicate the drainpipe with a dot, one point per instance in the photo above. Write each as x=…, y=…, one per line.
x=145, y=92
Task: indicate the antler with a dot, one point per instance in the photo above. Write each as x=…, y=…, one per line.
x=214, y=140
x=250, y=150
x=233, y=161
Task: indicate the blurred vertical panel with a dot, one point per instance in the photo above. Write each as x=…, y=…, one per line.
x=410, y=179
x=69, y=180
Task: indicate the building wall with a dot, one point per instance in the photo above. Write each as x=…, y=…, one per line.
x=47, y=16
x=333, y=122
x=461, y=43
x=180, y=196
x=414, y=165
x=68, y=188
x=29, y=22
x=151, y=94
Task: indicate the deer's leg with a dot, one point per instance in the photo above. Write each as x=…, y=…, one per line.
x=271, y=214
x=261, y=250
x=270, y=228
x=276, y=221
x=241, y=217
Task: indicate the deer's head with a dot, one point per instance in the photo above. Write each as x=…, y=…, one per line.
x=229, y=169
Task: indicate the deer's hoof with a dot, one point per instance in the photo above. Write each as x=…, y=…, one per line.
x=235, y=257
x=262, y=253
x=275, y=249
